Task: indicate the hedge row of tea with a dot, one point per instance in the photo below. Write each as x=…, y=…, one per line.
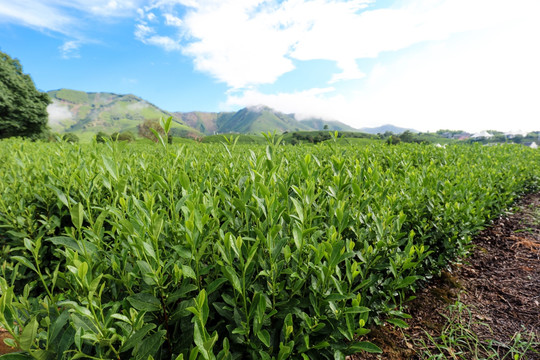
x=113, y=251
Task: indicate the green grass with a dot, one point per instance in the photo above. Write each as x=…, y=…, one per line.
x=458, y=340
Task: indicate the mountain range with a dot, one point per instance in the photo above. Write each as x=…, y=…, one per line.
x=87, y=113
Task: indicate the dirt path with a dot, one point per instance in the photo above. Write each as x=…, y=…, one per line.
x=499, y=286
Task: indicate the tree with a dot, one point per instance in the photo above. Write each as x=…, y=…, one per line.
x=70, y=138
x=393, y=140
x=146, y=132
x=125, y=136
x=23, y=109
x=101, y=137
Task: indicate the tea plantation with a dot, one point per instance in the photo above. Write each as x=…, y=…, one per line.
x=230, y=251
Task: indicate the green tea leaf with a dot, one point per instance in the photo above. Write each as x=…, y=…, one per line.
x=25, y=262
x=28, y=335
x=398, y=322
x=144, y=302
x=264, y=336
x=136, y=337
x=363, y=346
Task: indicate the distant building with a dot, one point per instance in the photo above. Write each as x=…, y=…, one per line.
x=461, y=136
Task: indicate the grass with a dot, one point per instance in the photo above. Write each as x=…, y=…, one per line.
x=458, y=340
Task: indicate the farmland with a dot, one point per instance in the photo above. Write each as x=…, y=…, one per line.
x=228, y=251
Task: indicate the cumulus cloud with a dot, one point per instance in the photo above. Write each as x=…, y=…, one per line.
x=246, y=43
x=485, y=80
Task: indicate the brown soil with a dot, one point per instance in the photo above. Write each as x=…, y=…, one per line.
x=4, y=348
x=499, y=284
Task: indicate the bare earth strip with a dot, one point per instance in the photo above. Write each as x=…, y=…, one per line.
x=499, y=286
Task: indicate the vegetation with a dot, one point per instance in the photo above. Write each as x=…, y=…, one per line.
x=70, y=138
x=90, y=113
x=238, y=138
x=23, y=109
x=124, y=136
x=229, y=251
x=151, y=129
x=72, y=96
x=458, y=340
x=101, y=137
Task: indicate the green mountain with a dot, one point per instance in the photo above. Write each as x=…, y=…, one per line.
x=320, y=124
x=259, y=119
x=254, y=120
x=88, y=113
x=384, y=128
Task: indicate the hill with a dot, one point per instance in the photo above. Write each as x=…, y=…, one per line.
x=384, y=128
x=88, y=113
x=254, y=120
x=319, y=124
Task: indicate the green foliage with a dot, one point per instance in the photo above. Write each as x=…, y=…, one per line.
x=145, y=129
x=70, y=138
x=23, y=109
x=102, y=137
x=124, y=136
x=242, y=139
x=393, y=140
x=459, y=339
x=230, y=251
x=72, y=96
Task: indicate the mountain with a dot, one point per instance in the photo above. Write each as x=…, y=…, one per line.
x=88, y=113
x=384, y=128
x=319, y=124
x=254, y=119
x=205, y=122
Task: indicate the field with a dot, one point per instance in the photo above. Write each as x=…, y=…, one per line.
x=229, y=250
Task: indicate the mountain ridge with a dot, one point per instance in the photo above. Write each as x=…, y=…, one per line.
x=92, y=112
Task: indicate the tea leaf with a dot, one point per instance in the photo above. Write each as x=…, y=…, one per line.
x=144, y=302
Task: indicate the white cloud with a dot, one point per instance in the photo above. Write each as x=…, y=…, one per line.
x=58, y=112
x=58, y=15
x=471, y=81
x=237, y=43
x=35, y=14
x=70, y=49
x=250, y=42
x=72, y=19
x=318, y=102
x=165, y=42
x=142, y=32
x=172, y=20
x=350, y=71
x=147, y=35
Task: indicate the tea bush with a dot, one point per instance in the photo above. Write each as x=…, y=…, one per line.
x=228, y=251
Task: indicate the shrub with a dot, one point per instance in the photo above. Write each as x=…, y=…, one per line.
x=70, y=138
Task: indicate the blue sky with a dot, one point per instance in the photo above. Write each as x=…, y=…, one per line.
x=425, y=64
